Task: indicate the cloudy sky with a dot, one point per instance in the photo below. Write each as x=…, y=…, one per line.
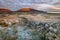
x=40, y=4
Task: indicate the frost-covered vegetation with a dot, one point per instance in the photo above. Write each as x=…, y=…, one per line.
x=23, y=28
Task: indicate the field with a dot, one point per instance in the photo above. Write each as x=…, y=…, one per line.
x=29, y=26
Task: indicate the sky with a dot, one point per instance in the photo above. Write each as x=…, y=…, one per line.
x=17, y=4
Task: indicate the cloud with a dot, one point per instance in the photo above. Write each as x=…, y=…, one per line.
x=17, y=4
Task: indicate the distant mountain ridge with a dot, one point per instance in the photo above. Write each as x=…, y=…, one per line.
x=30, y=10
x=2, y=10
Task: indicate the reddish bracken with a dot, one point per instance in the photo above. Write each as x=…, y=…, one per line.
x=4, y=10
x=24, y=9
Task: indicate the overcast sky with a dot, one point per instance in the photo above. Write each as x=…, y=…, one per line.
x=17, y=4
